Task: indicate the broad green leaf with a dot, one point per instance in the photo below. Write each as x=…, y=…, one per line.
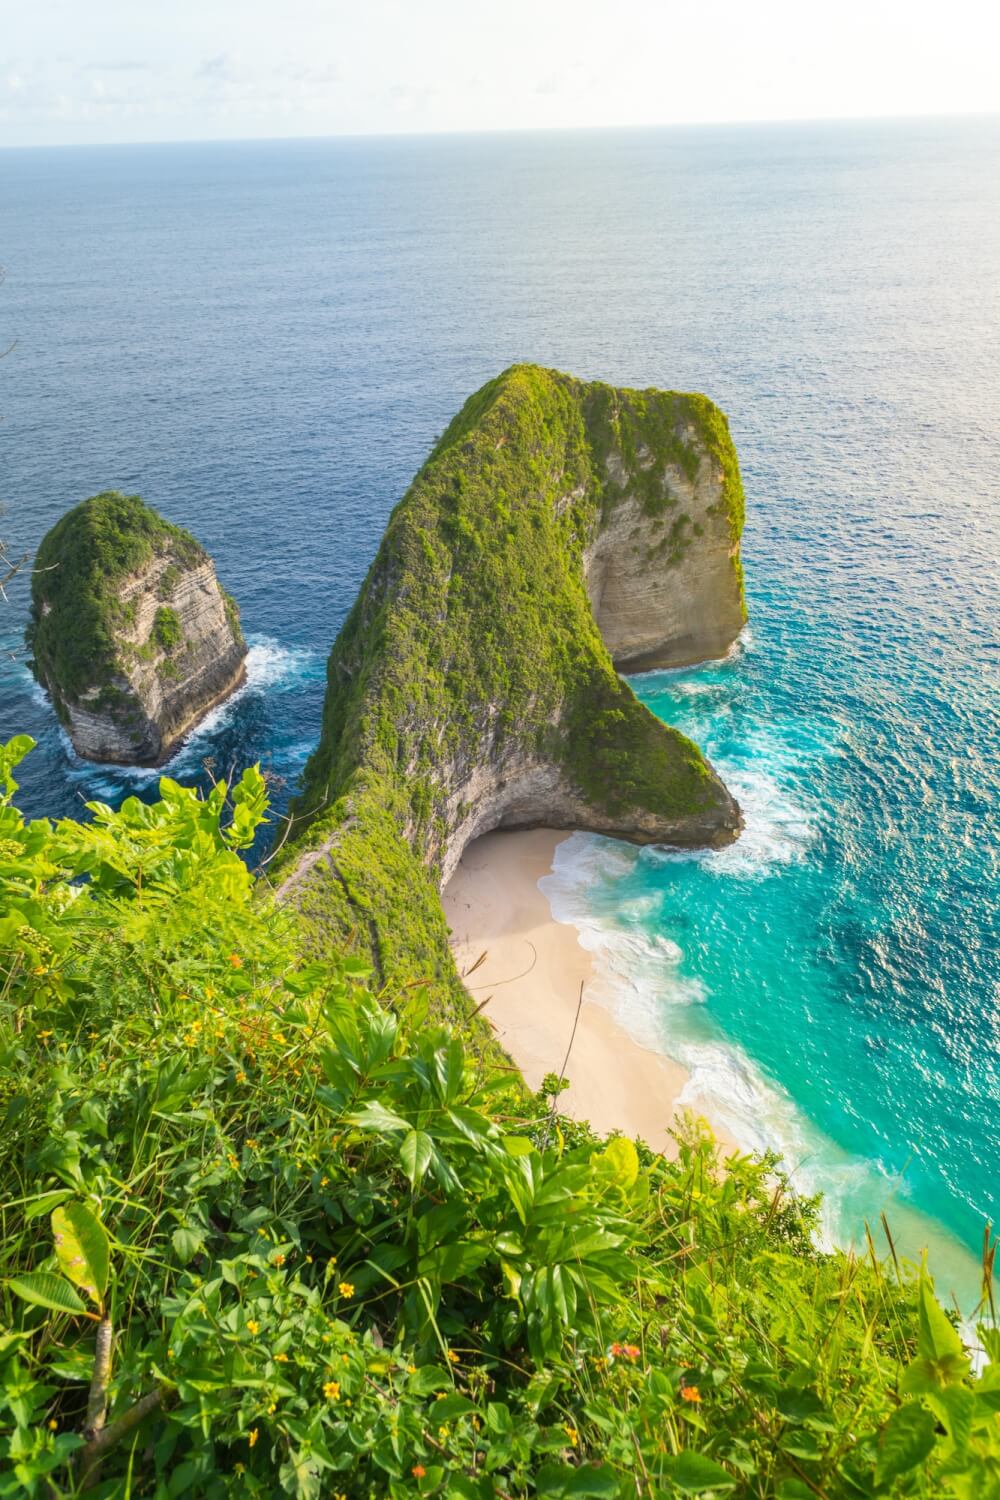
x=450, y=1407
x=427, y=1379
x=600, y=1482
x=622, y=1157
x=47, y=1203
x=937, y=1339
x=45, y=1289
x=82, y=1248
x=518, y=1145
x=415, y=1155
x=693, y=1474
x=955, y=1405
x=375, y=1116
x=558, y=1481
x=906, y=1441
x=186, y=1243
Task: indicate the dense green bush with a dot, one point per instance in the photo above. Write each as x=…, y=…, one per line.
x=76, y=611
x=339, y=1251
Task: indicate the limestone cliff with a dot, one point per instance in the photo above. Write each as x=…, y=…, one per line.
x=557, y=530
x=130, y=632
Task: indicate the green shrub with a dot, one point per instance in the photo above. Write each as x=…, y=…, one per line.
x=166, y=630
x=341, y=1251
x=75, y=602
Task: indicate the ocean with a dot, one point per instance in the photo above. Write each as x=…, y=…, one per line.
x=264, y=339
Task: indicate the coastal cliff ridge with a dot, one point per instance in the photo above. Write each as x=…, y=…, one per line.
x=559, y=530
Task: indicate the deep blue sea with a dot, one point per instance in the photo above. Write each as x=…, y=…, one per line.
x=263, y=340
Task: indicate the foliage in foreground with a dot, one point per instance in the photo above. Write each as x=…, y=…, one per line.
x=333, y=1252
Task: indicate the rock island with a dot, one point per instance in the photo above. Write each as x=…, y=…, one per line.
x=130, y=632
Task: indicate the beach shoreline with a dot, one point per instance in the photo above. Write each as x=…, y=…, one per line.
x=527, y=969
x=527, y=972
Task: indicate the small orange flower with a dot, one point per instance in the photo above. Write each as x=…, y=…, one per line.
x=279, y=1259
x=418, y=1471
x=236, y=961
x=453, y=1357
x=690, y=1393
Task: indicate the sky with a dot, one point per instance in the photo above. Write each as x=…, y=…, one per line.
x=95, y=71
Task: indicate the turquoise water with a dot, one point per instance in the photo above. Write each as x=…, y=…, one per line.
x=830, y=979
x=264, y=339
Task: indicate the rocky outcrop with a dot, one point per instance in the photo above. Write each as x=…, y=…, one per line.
x=131, y=634
x=558, y=530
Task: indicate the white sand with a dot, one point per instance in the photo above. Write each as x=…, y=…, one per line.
x=530, y=980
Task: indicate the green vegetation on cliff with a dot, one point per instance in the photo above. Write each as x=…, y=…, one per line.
x=473, y=641
x=337, y=1252
x=76, y=611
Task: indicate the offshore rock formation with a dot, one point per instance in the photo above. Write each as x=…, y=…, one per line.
x=130, y=632
x=558, y=530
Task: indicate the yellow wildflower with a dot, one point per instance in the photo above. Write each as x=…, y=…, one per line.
x=53, y=1425
x=252, y=1437
x=453, y=1357
x=346, y=1289
x=331, y=1390
x=572, y=1434
x=282, y=1359
x=253, y=1326
x=43, y=1036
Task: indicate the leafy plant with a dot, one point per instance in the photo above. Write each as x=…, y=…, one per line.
x=265, y=1231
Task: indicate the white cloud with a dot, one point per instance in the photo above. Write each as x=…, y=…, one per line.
x=224, y=68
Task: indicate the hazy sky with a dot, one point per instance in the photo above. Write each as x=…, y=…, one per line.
x=138, y=70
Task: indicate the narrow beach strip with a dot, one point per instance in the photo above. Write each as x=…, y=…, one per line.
x=530, y=980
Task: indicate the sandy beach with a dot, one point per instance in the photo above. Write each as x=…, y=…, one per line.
x=531, y=977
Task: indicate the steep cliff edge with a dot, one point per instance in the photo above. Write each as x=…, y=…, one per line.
x=470, y=687
x=130, y=632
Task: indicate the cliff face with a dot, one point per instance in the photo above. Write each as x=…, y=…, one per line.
x=131, y=634
x=558, y=529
